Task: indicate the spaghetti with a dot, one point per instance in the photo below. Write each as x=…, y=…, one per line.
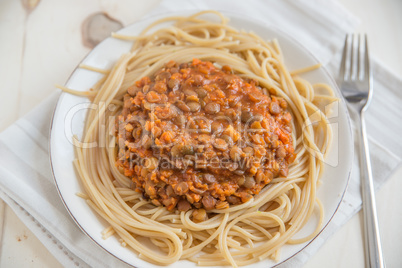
x=236, y=235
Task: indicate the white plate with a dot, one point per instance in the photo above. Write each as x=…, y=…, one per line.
x=335, y=178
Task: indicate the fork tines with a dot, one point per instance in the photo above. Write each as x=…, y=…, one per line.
x=353, y=65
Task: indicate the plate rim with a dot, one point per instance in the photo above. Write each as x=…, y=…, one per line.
x=265, y=24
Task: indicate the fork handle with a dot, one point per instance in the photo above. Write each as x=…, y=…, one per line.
x=373, y=252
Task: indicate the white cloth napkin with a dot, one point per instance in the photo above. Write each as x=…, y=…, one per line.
x=26, y=182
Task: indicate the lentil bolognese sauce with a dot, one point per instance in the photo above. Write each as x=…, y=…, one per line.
x=212, y=155
x=194, y=135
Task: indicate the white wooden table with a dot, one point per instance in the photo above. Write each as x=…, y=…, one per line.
x=34, y=57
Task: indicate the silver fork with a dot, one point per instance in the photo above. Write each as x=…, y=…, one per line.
x=356, y=84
